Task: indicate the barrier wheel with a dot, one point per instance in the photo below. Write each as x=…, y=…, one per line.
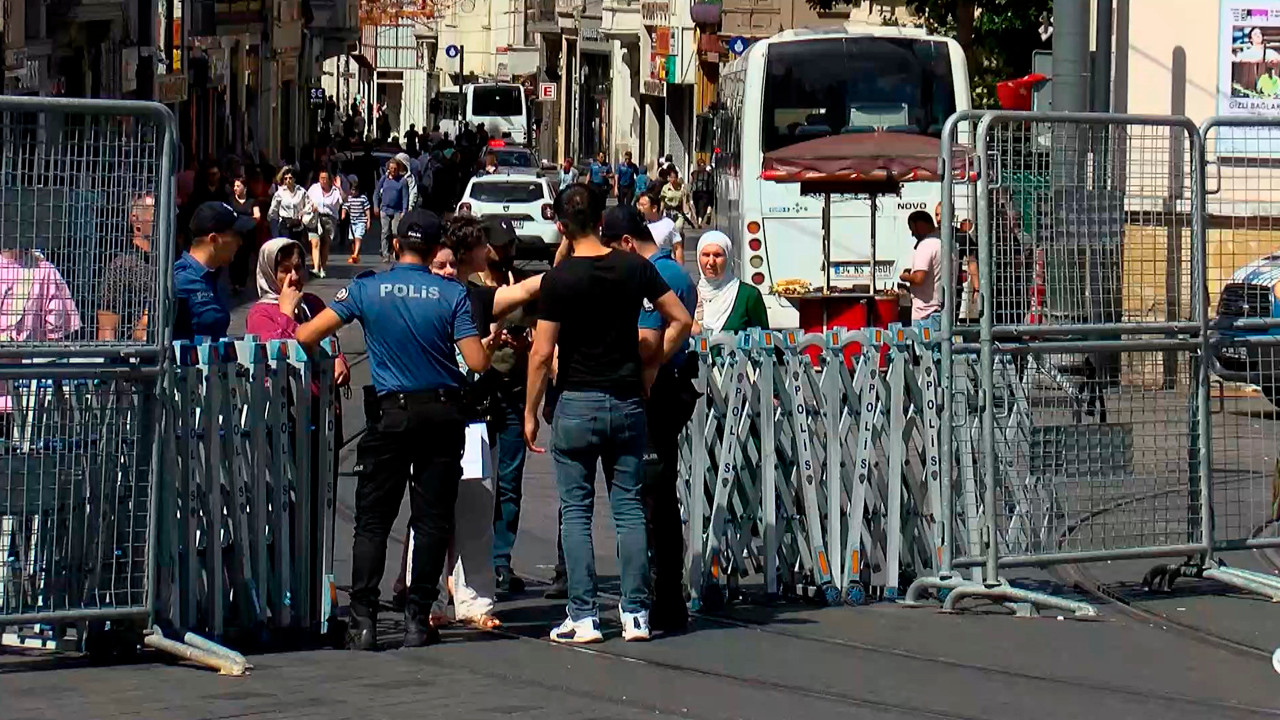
x=854, y=595
x=943, y=593
x=831, y=594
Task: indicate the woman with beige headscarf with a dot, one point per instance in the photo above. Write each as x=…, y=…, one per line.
x=725, y=303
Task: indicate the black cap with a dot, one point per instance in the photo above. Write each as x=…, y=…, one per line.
x=499, y=232
x=219, y=217
x=622, y=220
x=420, y=226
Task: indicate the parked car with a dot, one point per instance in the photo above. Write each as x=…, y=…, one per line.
x=526, y=201
x=1252, y=294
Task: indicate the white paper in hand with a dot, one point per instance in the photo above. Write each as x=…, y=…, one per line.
x=477, y=461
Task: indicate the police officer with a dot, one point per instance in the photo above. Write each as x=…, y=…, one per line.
x=415, y=420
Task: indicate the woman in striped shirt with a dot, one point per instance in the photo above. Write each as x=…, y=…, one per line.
x=358, y=215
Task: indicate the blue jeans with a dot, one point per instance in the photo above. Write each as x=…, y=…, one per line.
x=591, y=427
x=508, y=423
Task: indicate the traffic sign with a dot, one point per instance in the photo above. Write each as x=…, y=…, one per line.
x=547, y=91
x=737, y=44
x=451, y=51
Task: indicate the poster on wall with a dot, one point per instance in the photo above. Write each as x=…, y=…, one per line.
x=1249, y=75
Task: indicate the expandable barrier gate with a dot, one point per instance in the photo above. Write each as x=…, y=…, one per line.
x=814, y=478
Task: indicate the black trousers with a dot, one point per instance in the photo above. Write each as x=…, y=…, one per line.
x=626, y=194
x=671, y=404
x=416, y=441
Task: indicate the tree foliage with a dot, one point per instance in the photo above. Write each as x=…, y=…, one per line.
x=998, y=36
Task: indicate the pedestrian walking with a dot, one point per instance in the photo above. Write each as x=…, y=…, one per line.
x=391, y=198
x=600, y=175
x=590, y=308
x=290, y=207
x=671, y=400
x=413, y=321
x=702, y=190
x=202, y=307
x=642, y=181
x=625, y=183
x=327, y=200
x=568, y=175
x=923, y=280
x=358, y=217
x=244, y=206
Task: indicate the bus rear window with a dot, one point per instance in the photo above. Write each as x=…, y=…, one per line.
x=816, y=88
x=494, y=101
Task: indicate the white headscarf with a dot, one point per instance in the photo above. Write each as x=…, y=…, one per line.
x=268, y=286
x=718, y=295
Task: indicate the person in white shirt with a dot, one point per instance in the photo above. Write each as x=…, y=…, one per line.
x=327, y=200
x=662, y=228
x=924, y=278
x=290, y=207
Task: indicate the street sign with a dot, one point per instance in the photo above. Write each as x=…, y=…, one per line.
x=547, y=91
x=451, y=51
x=737, y=44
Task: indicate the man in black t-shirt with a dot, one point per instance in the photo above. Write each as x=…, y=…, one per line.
x=590, y=307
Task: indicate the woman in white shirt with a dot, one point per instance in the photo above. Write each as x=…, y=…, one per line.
x=290, y=208
x=327, y=199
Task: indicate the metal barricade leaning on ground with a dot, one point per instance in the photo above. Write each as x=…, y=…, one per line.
x=808, y=475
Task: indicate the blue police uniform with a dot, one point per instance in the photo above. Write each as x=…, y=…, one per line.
x=671, y=402
x=203, y=308
x=415, y=426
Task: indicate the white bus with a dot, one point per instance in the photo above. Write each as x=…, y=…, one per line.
x=500, y=107
x=800, y=85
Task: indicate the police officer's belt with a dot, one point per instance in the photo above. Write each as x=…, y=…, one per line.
x=440, y=395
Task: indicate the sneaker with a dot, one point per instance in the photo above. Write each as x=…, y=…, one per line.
x=635, y=626
x=362, y=631
x=508, y=582
x=559, y=589
x=322, y=273
x=583, y=631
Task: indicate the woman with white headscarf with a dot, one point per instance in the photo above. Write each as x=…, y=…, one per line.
x=725, y=304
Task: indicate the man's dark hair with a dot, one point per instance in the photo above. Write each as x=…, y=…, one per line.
x=578, y=210
x=653, y=196
x=463, y=234
x=922, y=217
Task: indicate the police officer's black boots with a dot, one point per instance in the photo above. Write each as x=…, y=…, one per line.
x=418, y=630
x=362, y=632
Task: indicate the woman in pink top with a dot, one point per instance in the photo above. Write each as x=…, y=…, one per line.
x=282, y=305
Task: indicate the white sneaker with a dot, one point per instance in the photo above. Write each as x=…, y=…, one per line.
x=581, y=632
x=635, y=626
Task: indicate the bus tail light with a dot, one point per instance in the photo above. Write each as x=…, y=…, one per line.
x=757, y=279
x=755, y=244
x=753, y=227
x=464, y=207
x=548, y=212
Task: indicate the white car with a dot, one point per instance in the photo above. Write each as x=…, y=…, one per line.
x=524, y=200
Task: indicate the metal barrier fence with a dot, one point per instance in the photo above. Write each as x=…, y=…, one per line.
x=227, y=533
x=813, y=478
x=1114, y=400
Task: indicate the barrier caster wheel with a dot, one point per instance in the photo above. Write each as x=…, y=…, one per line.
x=943, y=593
x=831, y=594
x=713, y=598
x=854, y=596
x=1154, y=580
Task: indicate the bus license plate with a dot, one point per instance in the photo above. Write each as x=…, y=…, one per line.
x=849, y=271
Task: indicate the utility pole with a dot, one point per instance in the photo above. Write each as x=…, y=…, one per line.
x=575, y=121
x=1102, y=58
